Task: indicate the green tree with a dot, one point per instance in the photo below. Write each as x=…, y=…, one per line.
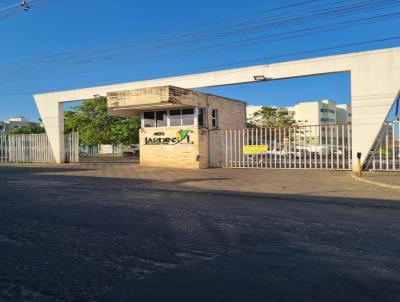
x=126, y=131
x=271, y=117
x=27, y=130
x=96, y=126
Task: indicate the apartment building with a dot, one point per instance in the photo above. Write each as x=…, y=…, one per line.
x=19, y=122
x=318, y=113
x=16, y=122
x=323, y=112
x=343, y=114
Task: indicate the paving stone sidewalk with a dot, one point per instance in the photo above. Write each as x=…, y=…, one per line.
x=244, y=181
x=385, y=178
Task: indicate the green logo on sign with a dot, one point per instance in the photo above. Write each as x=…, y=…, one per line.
x=181, y=137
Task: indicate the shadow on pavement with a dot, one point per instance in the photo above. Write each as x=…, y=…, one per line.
x=86, y=238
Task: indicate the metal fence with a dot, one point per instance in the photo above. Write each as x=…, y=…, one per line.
x=295, y=147
x=89, y=150
x=386, y=154
x=72, y=147
x=35, y=148
x=104, y=150
x=108, y=153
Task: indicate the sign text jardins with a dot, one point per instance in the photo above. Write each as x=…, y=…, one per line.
x=159, y=138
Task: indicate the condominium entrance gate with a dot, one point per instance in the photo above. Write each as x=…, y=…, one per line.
x=294, y=147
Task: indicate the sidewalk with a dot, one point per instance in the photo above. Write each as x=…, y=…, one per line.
x=383, y=179
x=305, y=183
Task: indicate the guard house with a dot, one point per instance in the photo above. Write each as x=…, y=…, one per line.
x=179, y=126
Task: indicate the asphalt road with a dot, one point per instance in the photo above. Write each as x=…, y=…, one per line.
x=86, y=241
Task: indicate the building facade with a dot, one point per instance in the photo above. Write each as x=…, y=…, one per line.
x=343, y=114
x=323, y=112
x=15, y=123
x=319, y=113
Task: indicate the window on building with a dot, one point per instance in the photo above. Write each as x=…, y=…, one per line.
x=327, y=120
x=187, y=117
x=161, y=119
x=327, y=110
x=202, y=117
x=171, y=118
x=175, y=118
x=214, y=118
x=149, y=119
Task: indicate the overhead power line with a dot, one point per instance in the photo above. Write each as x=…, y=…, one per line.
x=22, y=7
x=267, y=60
x=279, y=24
x=68, y=60
x=83, y=57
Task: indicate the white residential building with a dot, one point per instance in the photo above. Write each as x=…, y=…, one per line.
x=319, y=113
x=16, y=122
x=343, y=114
x=323, y=112
x=315, y=113
x=19, y=122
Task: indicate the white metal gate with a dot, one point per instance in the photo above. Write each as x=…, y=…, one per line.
x=71, y=147
x=35, y=148
x=295, y=147
x=386, y=154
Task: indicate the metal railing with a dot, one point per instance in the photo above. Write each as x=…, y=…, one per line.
x=386, y=154
x=294, y=147
x=105, y=150
x=35, y=148
x=71, y=147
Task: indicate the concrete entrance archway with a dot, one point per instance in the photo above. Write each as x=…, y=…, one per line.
x=375, y=83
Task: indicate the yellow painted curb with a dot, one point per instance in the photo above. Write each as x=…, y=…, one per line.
x=371, y=182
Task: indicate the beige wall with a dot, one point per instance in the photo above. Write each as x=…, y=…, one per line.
x=181, y=155
x=231, y=115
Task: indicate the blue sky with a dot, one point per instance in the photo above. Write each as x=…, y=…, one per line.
x=64, y=45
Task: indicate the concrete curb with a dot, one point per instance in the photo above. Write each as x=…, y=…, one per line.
x=375, y=183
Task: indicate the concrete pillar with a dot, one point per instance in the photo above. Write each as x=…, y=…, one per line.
x=375, y=84
x=52, y=115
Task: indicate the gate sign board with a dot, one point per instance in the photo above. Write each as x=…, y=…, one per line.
x=255, y=149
